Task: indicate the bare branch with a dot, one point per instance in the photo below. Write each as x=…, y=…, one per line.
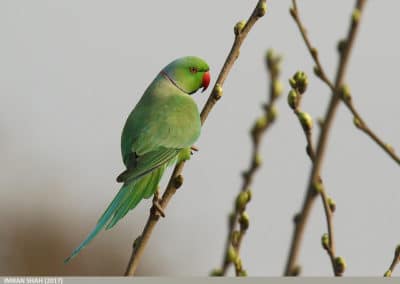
x=360, y=124
x=309, y=199
x=239, y=215
x=299, y=84
x=318, y=70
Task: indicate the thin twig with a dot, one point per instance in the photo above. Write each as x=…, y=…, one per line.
x=395, y=262
x=309, y=199
x=319, y=71
x=176, y=178
x=360, y=123
x=299, y=84
x=238, y=216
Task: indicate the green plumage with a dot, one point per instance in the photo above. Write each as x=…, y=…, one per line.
x=158, y=133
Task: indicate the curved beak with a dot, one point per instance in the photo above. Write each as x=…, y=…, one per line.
x=205, y=81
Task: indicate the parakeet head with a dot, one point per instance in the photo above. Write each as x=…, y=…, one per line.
x=188, y=73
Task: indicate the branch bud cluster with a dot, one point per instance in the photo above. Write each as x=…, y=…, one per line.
x=325, y=241
x=331, y=204
x=273, y=62
x=244, y=221
x=262, y=8
x=232, y=254
x=299, y=81
x=242, y=199
x=293, y=99
x=239, y=27
x=216, y=272
x=218, y=92
x=340, y=265
x=344, y=93
x=305, y=120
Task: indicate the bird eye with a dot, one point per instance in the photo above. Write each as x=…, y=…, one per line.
x=193, y=70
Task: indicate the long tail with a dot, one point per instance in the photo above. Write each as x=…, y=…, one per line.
x=126, y=199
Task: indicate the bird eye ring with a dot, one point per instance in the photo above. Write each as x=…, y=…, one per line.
x=193, y=70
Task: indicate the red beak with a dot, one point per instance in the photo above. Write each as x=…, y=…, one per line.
x=206, y=81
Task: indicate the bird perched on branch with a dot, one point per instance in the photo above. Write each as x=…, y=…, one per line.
x=158, y=133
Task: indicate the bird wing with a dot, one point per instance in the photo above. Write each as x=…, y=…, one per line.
x=148, y=162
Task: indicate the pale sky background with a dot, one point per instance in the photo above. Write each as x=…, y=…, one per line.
x=70, y=73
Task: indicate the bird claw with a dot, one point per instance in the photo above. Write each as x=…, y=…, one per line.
x=193, y=149
x=156, y=205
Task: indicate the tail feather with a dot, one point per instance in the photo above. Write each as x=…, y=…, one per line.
x=123, y=192
x=133, y=190
x=121, y=211
x=144, y=188
x=153, y=182
x=126, y=199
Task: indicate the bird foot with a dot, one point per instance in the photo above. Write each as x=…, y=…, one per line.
x=156, y=204
x=193, y=149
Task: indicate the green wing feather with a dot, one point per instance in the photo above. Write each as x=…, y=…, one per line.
x=147, y=163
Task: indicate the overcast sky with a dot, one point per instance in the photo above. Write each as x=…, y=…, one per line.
x=70, y=73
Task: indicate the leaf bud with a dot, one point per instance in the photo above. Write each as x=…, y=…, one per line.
x=239, y=27
x=305, y=120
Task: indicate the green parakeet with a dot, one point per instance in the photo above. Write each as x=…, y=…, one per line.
x=158, y=132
